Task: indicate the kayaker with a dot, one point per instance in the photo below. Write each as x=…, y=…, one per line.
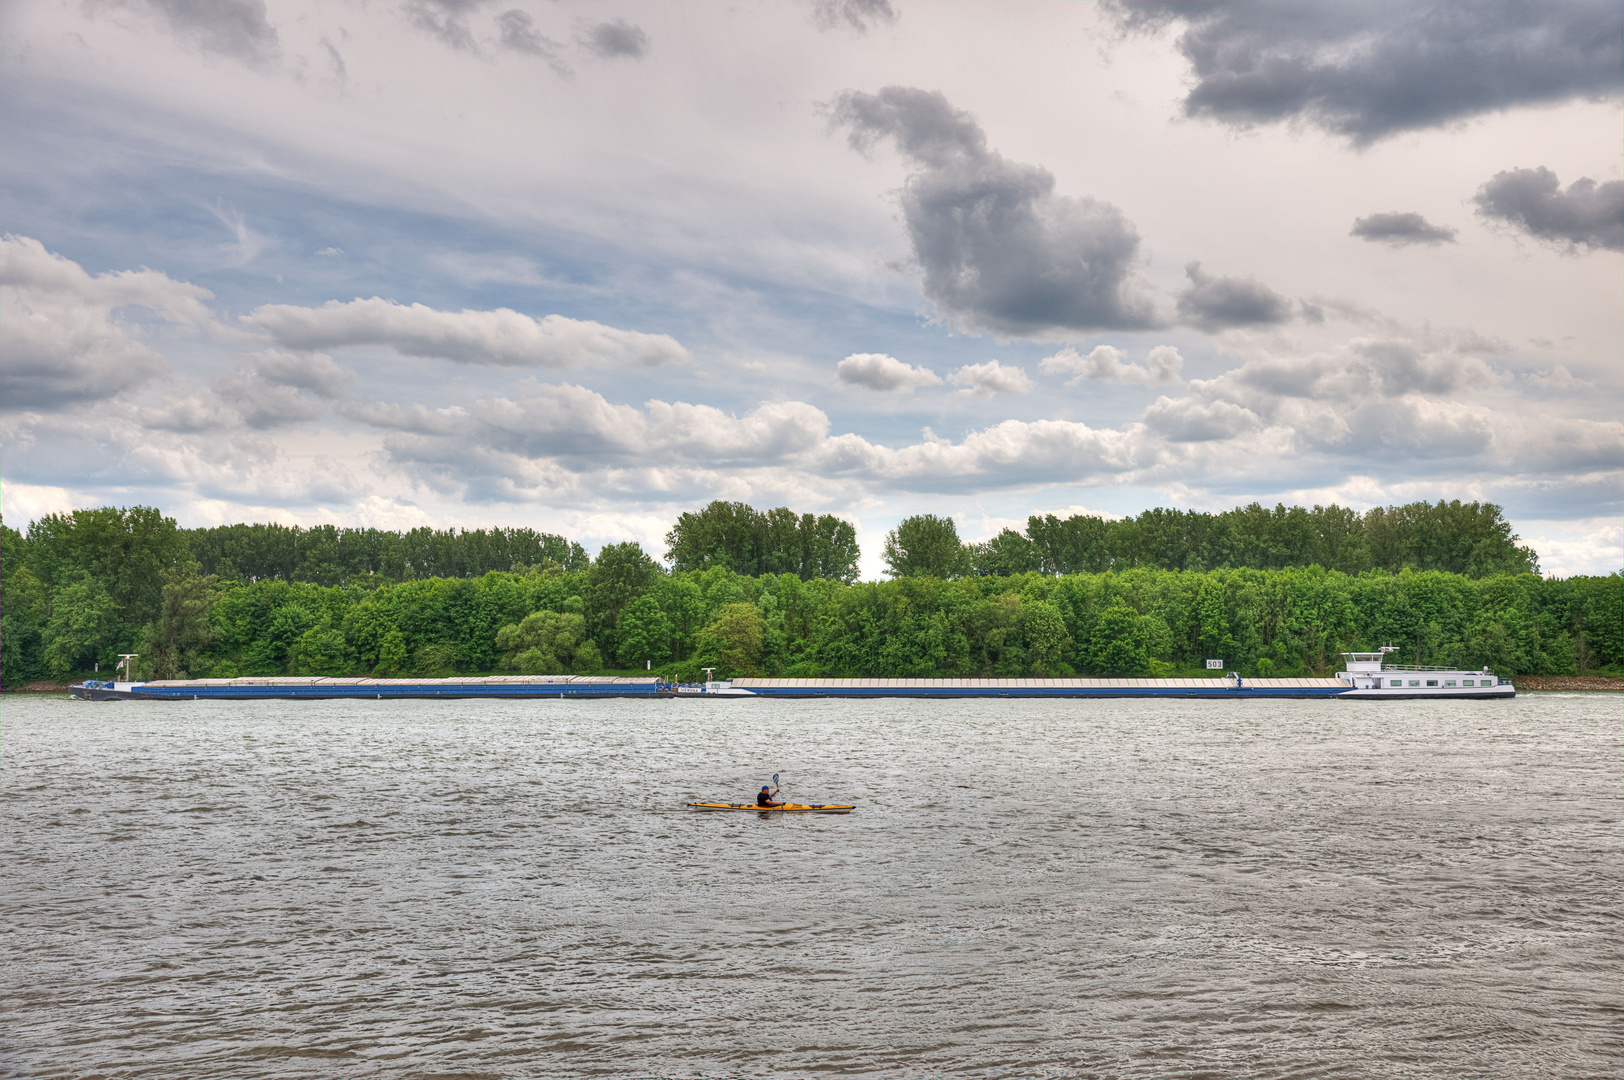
x=764, y=797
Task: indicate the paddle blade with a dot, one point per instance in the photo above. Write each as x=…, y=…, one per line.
x=775, y=779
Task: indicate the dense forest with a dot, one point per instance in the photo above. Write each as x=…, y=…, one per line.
x=1272, y=592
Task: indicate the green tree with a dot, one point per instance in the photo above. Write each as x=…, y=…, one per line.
x=178, y=641
x=644, y=633
x=392, y=656
x=84, y=626
x=738, y=537
x=544, y=643
x=732, y=643
x=436, y=661
x=1047, y=642
x=129, y=552
x=321, y=650
x=620, y=573
x=1118, y=646
x=588, y=660
x=1006, y=554
x=925, y=546
x=25, y=605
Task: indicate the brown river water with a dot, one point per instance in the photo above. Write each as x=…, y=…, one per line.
x=1027, y=889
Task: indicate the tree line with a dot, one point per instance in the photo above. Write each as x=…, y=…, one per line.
x=1459, y=538
x=80, y=588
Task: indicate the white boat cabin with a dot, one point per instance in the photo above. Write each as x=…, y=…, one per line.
x=1369, y=675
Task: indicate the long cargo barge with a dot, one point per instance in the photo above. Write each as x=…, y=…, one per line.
x=1366, y=678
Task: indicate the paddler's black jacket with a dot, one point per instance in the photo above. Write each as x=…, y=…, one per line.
x=763, y=799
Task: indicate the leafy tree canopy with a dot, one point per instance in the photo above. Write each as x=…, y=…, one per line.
x=738, y=537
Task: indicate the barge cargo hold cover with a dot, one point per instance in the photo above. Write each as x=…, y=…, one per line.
x=1230, y=687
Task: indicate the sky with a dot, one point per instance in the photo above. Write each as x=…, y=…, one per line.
x=584, y=267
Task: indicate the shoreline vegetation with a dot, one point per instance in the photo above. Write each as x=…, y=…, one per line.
x=1273, y=593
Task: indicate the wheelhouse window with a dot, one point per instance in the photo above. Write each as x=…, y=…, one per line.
x=1432, y=682
x=1395, y=682
x=1415, y=682
x=1449, y=682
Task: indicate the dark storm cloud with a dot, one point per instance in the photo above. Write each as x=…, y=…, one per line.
x=616, y=38
x=998, y=248
x=1587, y=214
x=234, y=28
x=1401, y=229
x=1216, y=303
x=858, y=15
x=1369, y=69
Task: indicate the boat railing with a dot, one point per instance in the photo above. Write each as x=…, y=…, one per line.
x=1419, y=667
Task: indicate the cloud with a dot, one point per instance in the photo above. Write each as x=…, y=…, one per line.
x=331, y=252
x=616, y=38
x=247, y=244
x=266, y=390
x=572, y=422
x=1105, y=363
x=519, y=33
x=858, y=15
x=1558, y=378
x=443, y=20
x=1364, y=368
x=999, y=250
x=985, y=380
x=547, y=440
x=341, y=73
x=113, y=444
x=1193, y=420
x=1014, y=452
x=234, y=28
x=878, y=371
x=282, y=388
x=1401, y=229
x=1587, y=214
x=1369, y=68
x=567, y=442
x=1217, y=303
x=61, y=344
x=500, y=338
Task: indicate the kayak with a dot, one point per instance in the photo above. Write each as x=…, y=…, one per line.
x=786, y=808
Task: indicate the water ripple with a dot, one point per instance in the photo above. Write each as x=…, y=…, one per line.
x=1029, y=889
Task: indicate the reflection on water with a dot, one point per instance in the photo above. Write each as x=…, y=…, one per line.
x=1118, y=888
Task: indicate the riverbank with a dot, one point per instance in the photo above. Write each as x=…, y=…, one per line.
x=1525, y=683
x=41, y=686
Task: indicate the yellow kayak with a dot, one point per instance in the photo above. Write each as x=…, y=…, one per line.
x=783, y=808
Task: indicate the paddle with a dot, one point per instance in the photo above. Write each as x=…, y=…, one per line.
x=776, y=788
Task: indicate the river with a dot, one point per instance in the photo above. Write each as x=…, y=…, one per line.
x=1027, y=889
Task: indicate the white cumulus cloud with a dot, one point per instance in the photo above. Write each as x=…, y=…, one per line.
x=878, y=371
x=1105, y=363
x=985, y=380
